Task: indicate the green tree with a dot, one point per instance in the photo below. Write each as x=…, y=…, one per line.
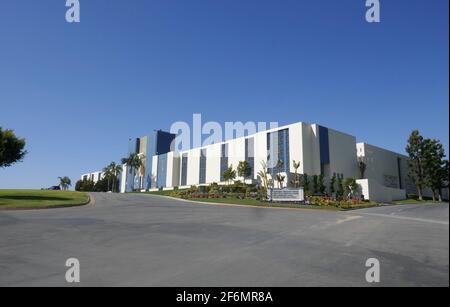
x=434, y=166
x=332, y=188
x=229, y=175
x=296, y=180
x=350, y=187
x=315, y=183
x=322, y=187
x=340, y=187
x=280, y=179
x=416, y=149
x=11, y=148
x=112, y=171
x=244, y=169
x=85, y=185
x=263, y=174
x=362, y=166
x=102, y=185
x=305, y=183
x=134, y=163
x=64, y=182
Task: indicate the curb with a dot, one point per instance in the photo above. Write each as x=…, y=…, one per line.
x=243, y=206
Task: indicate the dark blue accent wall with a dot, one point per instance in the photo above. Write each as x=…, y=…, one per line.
x=164, y=142
x=324, y=145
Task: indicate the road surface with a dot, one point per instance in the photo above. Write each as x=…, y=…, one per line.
x=144, y=240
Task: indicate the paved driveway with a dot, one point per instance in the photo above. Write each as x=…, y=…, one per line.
x=143, y=240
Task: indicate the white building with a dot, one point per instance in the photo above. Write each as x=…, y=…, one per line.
x=320, y=150
x=94, y=176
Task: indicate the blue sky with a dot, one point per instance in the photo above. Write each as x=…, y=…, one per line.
x=77, y=92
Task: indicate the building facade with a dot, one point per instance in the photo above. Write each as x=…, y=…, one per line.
x=320, y=151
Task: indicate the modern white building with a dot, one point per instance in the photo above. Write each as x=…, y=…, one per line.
x=320, y=151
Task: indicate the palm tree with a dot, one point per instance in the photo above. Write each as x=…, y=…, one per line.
x=134, y=162
x=107, y=174
x=296, y=180
x=114, y=170
x=264, y=177
x=64, y=182
x=280, y=178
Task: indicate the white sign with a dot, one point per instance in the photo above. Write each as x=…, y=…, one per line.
x=291, y=194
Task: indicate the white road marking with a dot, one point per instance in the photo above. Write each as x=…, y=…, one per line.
x=406, y=218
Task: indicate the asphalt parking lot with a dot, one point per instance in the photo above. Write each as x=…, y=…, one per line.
x=144, y=240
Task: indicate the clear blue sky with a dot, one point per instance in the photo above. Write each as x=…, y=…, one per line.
x=77, y=92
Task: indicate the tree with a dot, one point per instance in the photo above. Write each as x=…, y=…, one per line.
x=332, y=185
x=340, y=187
x=434, y=166
x=112, y=171
x=350, y=187
x=85, y=185
x=11, y=148
x=263, y=174
x=362, y=166
x=296, y=180
x=64, y=182
x=315, y=183
x=102, y=185
x=244, y=169
x=134, y=163
x=229, y=175
x=280, y=179
x=415, y=149
x=305, y=183
x=322, y=187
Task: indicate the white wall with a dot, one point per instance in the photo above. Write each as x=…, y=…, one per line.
x=310, y=147
x=154, y=172
x=382, y=165
x=342, y=154
x=193, y=167
x=213, y=153
x=374, y=191
x=173, y=169
x=123, y=180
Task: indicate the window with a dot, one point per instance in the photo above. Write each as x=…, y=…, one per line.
x=250, y=154
x=223, y=161
x=184, y=165
x=202, y=175
x=278, y=150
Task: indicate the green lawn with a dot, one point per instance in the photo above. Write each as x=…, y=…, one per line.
x=40, y=199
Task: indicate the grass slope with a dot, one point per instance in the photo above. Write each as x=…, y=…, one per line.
x=40, y=199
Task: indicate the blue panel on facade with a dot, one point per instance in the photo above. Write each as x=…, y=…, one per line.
x=324, y=145
x=278, y=151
